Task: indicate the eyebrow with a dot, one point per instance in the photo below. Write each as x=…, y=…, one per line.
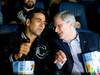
x=40, y=19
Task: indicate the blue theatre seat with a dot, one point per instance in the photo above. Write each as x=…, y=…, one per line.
x=8, y=28
x=76, y=9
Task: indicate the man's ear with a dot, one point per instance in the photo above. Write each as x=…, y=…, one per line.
x=27, y=22
x=71, y=23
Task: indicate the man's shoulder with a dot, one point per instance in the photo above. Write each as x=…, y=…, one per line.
x=90, y=36
x=15, y=10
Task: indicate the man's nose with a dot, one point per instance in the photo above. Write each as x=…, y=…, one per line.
x=56, y=29
x=42, y=23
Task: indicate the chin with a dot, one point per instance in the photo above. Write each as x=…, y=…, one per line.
x=60, y=37
x=39, y=34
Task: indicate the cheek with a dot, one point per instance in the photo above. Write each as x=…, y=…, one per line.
x=78, y=26
x=34, y=1
x=66, y=30
x=43, y=26
x=25, y=1
x=32, y=26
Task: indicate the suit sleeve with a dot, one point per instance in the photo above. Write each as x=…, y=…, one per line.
x=99, y=42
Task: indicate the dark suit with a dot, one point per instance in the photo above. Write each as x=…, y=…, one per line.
x=89, y=42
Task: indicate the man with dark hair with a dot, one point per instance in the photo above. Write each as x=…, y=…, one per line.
x=18, y=15
x=26, y=45
x=78, y=22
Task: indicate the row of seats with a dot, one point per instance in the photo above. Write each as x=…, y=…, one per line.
x=75, y=8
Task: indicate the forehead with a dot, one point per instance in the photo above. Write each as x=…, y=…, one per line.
x=58, y=20
x=39, y=15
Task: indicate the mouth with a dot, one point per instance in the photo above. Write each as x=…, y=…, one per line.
x=40, y=29
x=60, y=34
x=30, y=2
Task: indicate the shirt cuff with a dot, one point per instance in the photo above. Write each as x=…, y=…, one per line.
x=59, y=65
x=11, y=58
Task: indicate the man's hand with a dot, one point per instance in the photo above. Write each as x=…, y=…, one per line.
x=24, y=49
x=60, y=57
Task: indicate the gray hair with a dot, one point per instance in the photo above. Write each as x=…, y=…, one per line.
x=66, y=16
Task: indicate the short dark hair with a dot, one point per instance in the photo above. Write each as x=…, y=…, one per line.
x=30, y=14
x=78, y=18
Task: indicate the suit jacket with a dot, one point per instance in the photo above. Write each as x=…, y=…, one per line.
x=89, y=42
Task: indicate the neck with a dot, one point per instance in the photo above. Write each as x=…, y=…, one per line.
x=73, y=35
x=31, y=41
x=30, y=36
x=28, y=9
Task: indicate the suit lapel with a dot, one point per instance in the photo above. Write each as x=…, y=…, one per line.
x=66, y=49
x=83, y=43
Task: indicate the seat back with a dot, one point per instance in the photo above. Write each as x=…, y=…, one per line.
x=1, y=15
x=88, y=3
x=1, y=18
x=99, y=9
x=76, y=9
x=8, y=28
x=38, y=4
x=17, y=3
x=83, y=30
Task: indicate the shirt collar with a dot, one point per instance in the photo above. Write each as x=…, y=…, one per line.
x=23, y=35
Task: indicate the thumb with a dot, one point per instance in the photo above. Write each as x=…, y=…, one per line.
x=28, y=44
x=55, y=61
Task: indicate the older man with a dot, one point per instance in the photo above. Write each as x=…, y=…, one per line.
x=67, y=47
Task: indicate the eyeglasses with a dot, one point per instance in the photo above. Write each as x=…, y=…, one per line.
x=59, y=26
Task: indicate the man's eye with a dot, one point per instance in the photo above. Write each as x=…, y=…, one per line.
x=39, y=20
x=59, y=25
x=44, y=23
